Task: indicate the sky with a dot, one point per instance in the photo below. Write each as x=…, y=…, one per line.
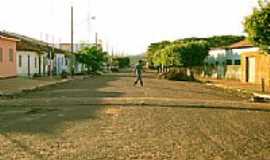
x=124, y=26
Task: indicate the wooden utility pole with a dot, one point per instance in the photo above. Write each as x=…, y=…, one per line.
x=72, y=32
x=96, y=39
x=72, y=44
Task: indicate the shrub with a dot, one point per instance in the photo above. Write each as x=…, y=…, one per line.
x=64, y=75
x=36, y=75
x=180, y=75
x=115, y=69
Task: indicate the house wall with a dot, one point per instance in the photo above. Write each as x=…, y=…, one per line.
x=244, y=50
x=60, y=64
x=262, y=67
x=217, y=64
x=34, y=66
x=7, y=68
x=220, y=56
x=233, y=72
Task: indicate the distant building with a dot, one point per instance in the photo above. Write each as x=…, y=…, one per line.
x=76, y=46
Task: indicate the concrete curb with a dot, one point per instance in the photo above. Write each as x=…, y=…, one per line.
x=33, y=88
x=244, y=91
x=255, y=97
x=137, y=101
x=38, y=87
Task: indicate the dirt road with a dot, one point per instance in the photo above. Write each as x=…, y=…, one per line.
x=76, y=131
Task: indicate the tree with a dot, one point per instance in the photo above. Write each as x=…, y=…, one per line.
x=257, y=26
x=192, y=54
x=153, y=52
x=93, y=57
x=122, y=62
x=214, y=41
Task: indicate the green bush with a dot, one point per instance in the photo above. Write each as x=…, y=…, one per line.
x=115, y=69
x=36, y=75
x=64, y=75
x=178, y=76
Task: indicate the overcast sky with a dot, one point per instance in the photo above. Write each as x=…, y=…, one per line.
x=126, y=25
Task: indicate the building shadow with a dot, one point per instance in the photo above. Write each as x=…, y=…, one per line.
x=49, y=119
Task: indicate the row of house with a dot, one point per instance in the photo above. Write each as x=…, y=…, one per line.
x=240, y=61
x=25, y=56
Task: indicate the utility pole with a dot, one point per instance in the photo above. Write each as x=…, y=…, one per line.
x=72, y=32
x=72, y=44
x=96, y=39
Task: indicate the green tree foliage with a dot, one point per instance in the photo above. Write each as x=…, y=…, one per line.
x=93, y=57
x=192, y=54
x=122, y=62
x=167, y=53
x=257, y=26
x=215, y=41
x=154, y=48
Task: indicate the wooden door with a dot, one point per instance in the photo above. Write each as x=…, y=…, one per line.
x=251, y=69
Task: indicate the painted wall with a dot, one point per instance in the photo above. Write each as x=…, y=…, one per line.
x=60, y=64
x=243, y=50
x=218, y=67
x=233, y=72
x=36, y=65
x=220, y=56
x=262, y=67
x=7, y=67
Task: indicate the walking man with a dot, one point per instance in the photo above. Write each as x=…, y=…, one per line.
x=138, y=71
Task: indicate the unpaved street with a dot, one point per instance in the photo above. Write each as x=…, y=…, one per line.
x=73, y=131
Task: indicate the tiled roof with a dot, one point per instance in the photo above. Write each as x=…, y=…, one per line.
x=29, y=44
x=241, y=44
x=9, y=39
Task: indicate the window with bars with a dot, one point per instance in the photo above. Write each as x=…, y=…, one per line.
x=228, y=62
x=237, y=62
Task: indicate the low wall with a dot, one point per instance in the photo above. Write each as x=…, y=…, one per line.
x=233, y=72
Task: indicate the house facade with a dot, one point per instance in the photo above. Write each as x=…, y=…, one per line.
x=79, y=68
x=7, y=56
x=225, y=63
x=35, y=57
x=30, y=63
x=61, y=63
x=256, y=67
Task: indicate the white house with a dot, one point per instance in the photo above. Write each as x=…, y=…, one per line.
x=30, y=63
x=61, y=63
x=32, y=57
x=242, y=46
x=225, y=62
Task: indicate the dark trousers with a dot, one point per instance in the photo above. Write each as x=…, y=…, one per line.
x=139, y=78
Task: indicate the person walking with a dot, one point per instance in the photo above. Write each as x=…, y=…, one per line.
x=138, y=72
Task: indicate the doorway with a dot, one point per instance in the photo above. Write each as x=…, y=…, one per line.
x=251, y=69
